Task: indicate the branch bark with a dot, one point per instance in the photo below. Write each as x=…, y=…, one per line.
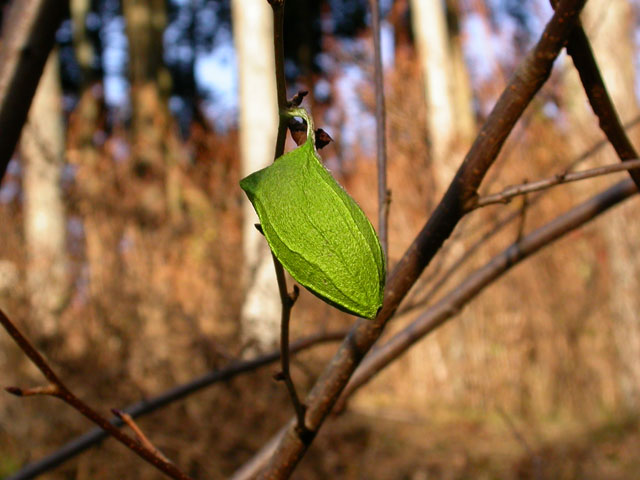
x=381, y=133
x=581, y=53
x=59, y=390
x=29, y=35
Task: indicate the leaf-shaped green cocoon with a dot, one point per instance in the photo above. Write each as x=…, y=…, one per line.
x=317, y=231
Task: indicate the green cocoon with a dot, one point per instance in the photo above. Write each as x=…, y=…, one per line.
x=317, y=231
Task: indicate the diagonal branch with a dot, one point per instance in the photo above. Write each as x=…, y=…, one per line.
x=59, y=389
x=150, y=405
x=525, y=83
x=26, y=44
x=580, y=51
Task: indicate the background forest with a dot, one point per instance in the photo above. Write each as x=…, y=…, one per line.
x=128, y=253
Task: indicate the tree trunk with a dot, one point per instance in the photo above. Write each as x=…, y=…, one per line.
x=253, y=37
x=461, y=92
x=150, y=80
x=431, y=37
x=42, y=150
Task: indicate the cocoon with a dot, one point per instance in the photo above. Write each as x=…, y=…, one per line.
x=317, y=231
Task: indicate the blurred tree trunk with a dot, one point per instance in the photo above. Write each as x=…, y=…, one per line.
x=253, y=37
x=610, y=27
x=150, y=80
x=42, y=150
x=84, y=51
x=430, y=33
x=446, y=85
x=84, y=153
x=462, y=94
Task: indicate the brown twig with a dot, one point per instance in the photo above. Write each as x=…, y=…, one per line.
x=522, y=216
x=508, y=193
x=288, y=300
x=59, y=390
x=149, y=405
x=525, y=83
x=142, y=438
x=384, y=196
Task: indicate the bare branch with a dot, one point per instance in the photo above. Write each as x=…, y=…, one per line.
x=24, y=49
x=513, y=191
x=493, y=229
x=288, y=300
x=580, y=51
x=381, y=137
x=142, y=438
x=60, y=391
x=150, y=405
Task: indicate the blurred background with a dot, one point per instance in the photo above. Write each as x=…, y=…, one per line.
x=129, y=256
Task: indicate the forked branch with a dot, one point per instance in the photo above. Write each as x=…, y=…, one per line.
x=59, y=390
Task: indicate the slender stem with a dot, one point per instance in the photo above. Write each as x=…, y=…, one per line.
x=277, y=7
x=381, y=140
x=513, y=191
x=64, y=394
x=140, y=435
x=286, y=299
x=285, y=374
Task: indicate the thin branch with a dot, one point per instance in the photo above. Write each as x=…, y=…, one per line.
x=525, y=83
x=277, y=7
x=288, y=300
x=481, y=278
x=579, y=48
x=384, y=196
x=142, y=438
x=51, y=390
x=515, y=190
x=522, y=215
x=150, y=405
x=29, y=35
x=63, y=393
